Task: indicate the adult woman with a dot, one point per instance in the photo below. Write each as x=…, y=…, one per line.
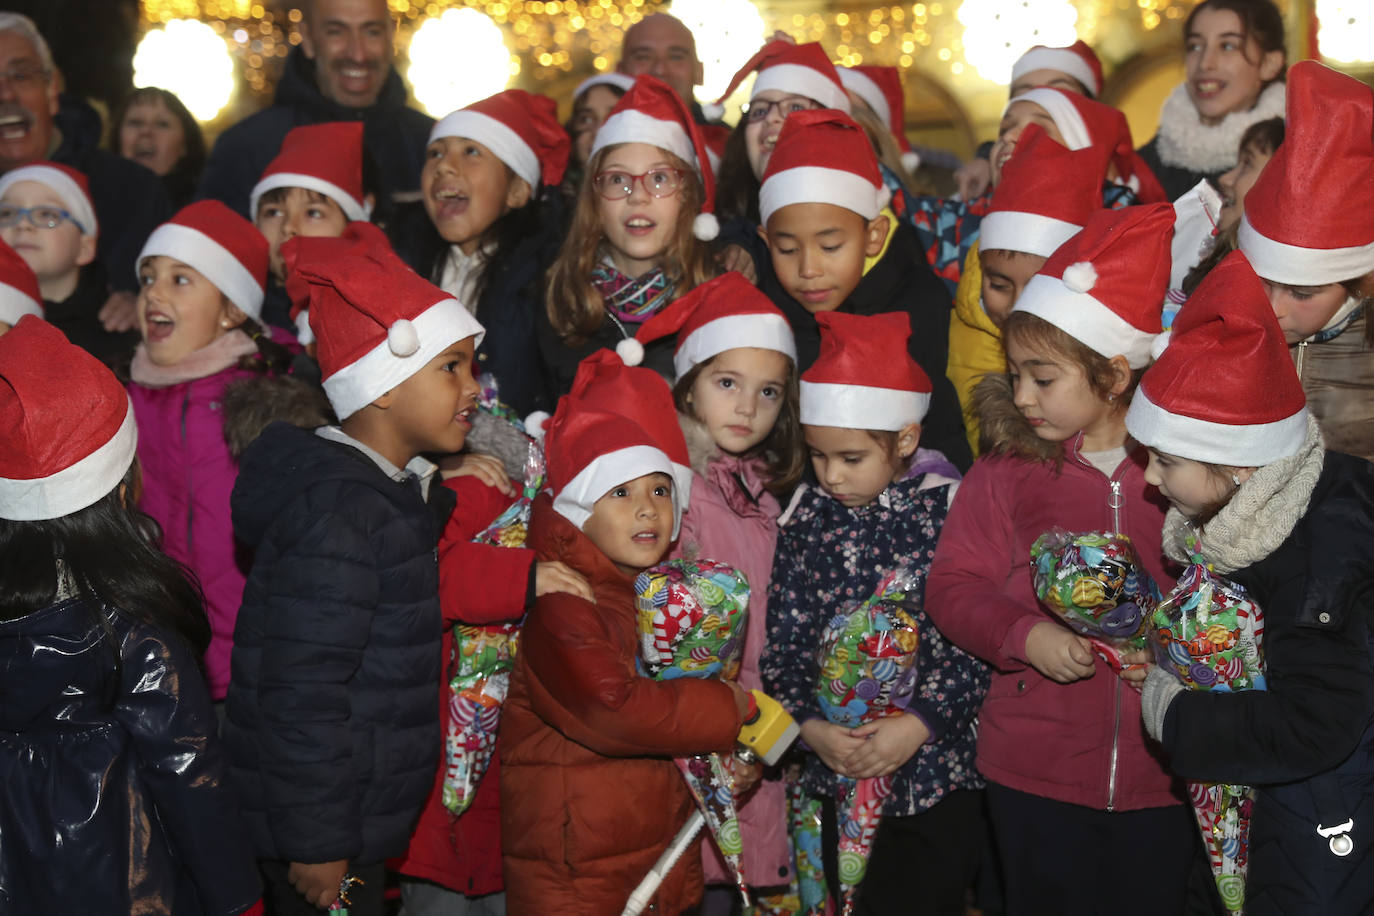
x=154, y=129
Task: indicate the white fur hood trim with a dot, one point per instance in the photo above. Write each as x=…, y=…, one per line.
x=1183, y=141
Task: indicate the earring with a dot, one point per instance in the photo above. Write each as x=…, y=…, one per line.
x=1235, y=479
x=1111, y=397
x=224, y=323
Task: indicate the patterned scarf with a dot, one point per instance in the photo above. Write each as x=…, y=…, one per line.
x=629, y=298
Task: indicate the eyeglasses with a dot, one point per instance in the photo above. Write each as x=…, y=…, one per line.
x=760, y=110
x=620, y=185
x=38, y=217
x=22, y=75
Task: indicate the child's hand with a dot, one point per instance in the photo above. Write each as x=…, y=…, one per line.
x=834, y=744
x=1058, y=653
x=553, y=576
x=1141, y=659
x=734, y=257
x=741, y=698
x=318, y=883
x=743, y=776
x=887, y=744
x=486, y=468
x=119, y=313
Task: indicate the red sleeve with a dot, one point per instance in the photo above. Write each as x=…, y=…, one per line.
x=480, y=583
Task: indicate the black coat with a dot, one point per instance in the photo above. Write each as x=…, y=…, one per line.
x=112, y=791
x=1310, y=735
x=333, y=717
x=77, y=317
x=1176, y=180
x=560, y=358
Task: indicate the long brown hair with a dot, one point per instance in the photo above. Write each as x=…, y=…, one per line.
x=575, y=308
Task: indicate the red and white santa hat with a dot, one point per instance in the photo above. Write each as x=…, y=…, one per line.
x=823, y=157
x=864, y=377
x=719, y=315
x=70, y=186
x=67, y=444
x=520, y=128
x=1224, y=391
x=227, y=249
x=1078, y=60
x=324, y=158
x=1045, y=196
x=881, y=90
x=376, y=321
x=19, y=292
x=652, y=112
x=620, y=81
x=714, y=136
x=1309, y=219
x=1104, y=286
x=796, y=69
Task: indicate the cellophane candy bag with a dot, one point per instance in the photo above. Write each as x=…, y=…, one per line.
x=1209, y=634
x=692, y=616
x=1094, y=583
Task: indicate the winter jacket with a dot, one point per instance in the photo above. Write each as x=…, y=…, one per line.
x=478, y=584
x=1081, y=742
x=112, y=792
x=560, y=358
x=1310, y=735
x=76, y=316
x=1338, y=378
x=394, y=135
x=589, y=798
x=830, y=555
x=333, y=728
x=975, y=343
x=733, y=519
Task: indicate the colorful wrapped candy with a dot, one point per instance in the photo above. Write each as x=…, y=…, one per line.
x=692, y=618
x=867, y=659
x=1209, y=633
x=804, y=828
x=1095, y=584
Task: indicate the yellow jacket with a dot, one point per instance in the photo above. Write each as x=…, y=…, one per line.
x=975, y=343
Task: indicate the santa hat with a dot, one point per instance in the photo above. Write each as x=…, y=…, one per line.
x=718, y=315
x=652, y=112
x=1104, y=286
x=324, y=158
x=1046, y=194
x=67, y=444
x=881, y=89
x=19, y=293
x=70, y=186
x=520, y=128
x=1078, y=60
x=1309, y=219
x=795, y=69
x=376, y=321
x=714, y=136
x=823, y=157
x=590, y=451
x=1250, y=413
x=227, y=249
x=864, y=377
x=621, y=81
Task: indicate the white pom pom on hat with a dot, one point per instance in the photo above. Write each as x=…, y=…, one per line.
x=535, y=423
x=1080, y=277
x=402, y=338
x=911, y=160
x=705, y=226
x=630, y=351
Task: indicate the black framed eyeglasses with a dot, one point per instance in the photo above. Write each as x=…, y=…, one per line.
x=759, y=110
x=617, y=185
x=38, y=217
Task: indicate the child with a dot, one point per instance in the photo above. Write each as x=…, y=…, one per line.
x=201, y=277
x=47, y=216
x=636, y=241
x=19, y=294
x=736, y=397
x=834, y=245
x=1066, y=768
x=861, y=408
x=593, y=101
x=331, y=709
x=1243, y=465
x=114, y=796
x=589, y=798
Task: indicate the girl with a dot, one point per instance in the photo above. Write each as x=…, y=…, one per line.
x=154, y=128
x=1066, y=769
x=636, y=241
x=592, y=104
x=862, y=404
x=114, y=796
x=201, y=280
x=736, y=396
x=1244, y=468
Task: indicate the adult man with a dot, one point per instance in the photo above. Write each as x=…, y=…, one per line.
x=662, y=46
x=341, y=71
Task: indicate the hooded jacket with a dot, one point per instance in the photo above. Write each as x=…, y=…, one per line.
x=1337, y=376
x=975, y=343
x=589, y=796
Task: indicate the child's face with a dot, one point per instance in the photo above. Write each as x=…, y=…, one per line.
x=852, y=466
x=1018, y=115
x=738, y=396
x=818, y=251
x=1054, y=396
x=1304, y=310
x=467, y=188
x=638, y=228
x=432, y=410
x=1236, y=183
x=152, y=136
x=179, y=311
x=1226, y=70
x=1005, y=274
x=299, y=212
x=1190, y=486
x=55, y=254
x=633, y=523
x=761, y=133
x=588, y=115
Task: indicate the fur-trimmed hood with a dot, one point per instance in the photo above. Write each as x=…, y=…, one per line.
x=701, y=448
x=1185, y=142
x=1002, y=430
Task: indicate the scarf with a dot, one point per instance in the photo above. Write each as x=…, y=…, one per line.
x=632, y=299
x=1185, y=142
x=222, y=353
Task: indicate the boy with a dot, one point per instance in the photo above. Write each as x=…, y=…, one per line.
x=834, y=245
x=332, y=704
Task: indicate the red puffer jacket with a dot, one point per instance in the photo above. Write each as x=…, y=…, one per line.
x=589, y=798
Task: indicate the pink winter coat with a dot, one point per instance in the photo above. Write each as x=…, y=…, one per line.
x=733, y=519
x=1083, y=742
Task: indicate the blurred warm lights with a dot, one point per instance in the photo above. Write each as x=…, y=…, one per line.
x=1347, y=30
x=190, y=59
x=997, y=32
x=727, y=32
x=458, y=58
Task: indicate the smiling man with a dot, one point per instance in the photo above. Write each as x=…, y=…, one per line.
x=341, y=71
